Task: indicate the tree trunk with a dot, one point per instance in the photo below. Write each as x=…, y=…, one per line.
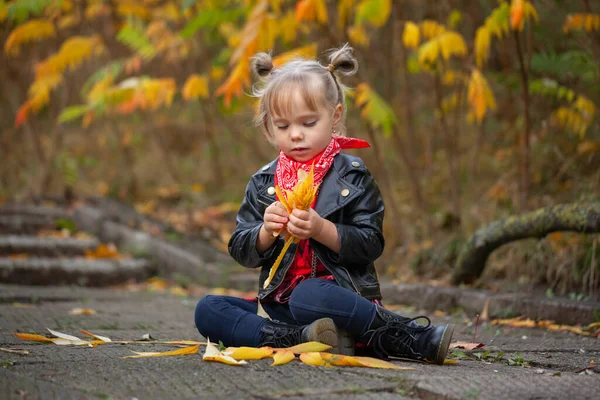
x=583, y=218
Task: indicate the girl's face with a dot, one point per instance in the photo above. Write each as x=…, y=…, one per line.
x=304, y=133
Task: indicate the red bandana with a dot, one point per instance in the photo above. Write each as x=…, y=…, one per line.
x=286, y=176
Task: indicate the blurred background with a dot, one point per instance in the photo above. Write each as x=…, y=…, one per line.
x=476, y=110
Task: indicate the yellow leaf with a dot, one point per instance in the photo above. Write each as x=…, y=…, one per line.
x=289, y=27
x=103, y=251
x=213, y=354
x=451, y=362
x=376, y=12
x=587, y=146
x=34, y=30
x=96, y=10
x=358, y=35
x=313, y=358
x=377, y=363
x=482, y=45
x=234, y=85
x=431, y=29
x=480, y=96
x=282, y=357
x=344, y=9
x=340, y=360
x=195, y=86
x=248, y=353
x=126, y=9
x=411, y=35
x=178, y=352
x=307, y=347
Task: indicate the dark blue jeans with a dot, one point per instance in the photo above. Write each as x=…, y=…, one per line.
x=234, y=321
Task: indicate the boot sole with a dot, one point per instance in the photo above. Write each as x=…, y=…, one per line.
x=324, y=331
x=444, y=344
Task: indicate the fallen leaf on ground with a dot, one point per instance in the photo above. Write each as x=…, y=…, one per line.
x=330, y=360
x=466, y=345
x=178, y=352
x=14, y=351
x=519, y=322
x=282, y=357
x=103, y=251
x=248, y=353
x=213, y=354
x=450, y=362
x=84, y=311
x=102, y=338
x=307, y=347
x=33, y=337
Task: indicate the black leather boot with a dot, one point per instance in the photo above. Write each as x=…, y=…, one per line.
x=392, y=335
x=280, y=335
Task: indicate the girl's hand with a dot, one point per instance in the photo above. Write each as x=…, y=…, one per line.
x=305, y=224
x=275, y=218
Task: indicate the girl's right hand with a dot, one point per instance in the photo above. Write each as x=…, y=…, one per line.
x=275, y=219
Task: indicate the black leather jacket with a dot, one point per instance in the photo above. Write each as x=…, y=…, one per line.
x=348, y=197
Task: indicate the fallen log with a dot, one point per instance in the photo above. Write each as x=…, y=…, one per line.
x=580, y=217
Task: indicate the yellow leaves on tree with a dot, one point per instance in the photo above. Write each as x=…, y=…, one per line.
x=481, y=98
x=431, y=29
x=520, y=11
x=149, y=94
x=446, y=44
x=234, y=85
x=577, y=117
x=375, y=12
x=130, y=8
x=196, y=86
x=73, y=52
x=311, y=10
x=582, y=21
x=411, y=35
x=34, y=30
x=375, y=109
x=482, y=45
x=300, y=197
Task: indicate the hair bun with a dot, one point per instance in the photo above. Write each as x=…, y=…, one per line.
x=343, y=60
x=262, y=64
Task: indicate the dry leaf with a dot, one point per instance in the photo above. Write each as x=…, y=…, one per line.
x=377, y=363
x=282, y=357
x=466, y=345
x=33, y=337
x=178, y=352
x=103, y=251
x=451, y=362
x=314, y=358
x=213, y=354
x=248, y=353
x=84, y=311
x=329, y=360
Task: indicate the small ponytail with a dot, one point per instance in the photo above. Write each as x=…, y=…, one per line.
x=262, y=65
x=343, y=60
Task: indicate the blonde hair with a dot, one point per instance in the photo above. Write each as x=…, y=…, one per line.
x=314, y=81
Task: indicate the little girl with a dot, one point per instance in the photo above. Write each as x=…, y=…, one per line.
x=326, y=287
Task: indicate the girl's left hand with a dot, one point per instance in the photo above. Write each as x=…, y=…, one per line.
x=305, y=224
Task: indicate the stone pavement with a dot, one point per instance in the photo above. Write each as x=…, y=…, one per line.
x=57, y=372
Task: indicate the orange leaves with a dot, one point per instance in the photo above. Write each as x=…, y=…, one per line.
x=103, y=252
x=72, y=53
x=519, y=322
x=234, y=85
x=196, y=86
x=520, y=11
x=465, y=345
x=311, y=10
x=307, y=52
x=34, y=30
x=481, y=98
x=148, y=94
x=580, y=21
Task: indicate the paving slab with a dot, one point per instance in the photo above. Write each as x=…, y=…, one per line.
x=55, y=372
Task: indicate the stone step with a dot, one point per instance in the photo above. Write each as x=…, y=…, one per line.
x=79, y=271
x=33, y=210
x=45, y=246
x=25, y=224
